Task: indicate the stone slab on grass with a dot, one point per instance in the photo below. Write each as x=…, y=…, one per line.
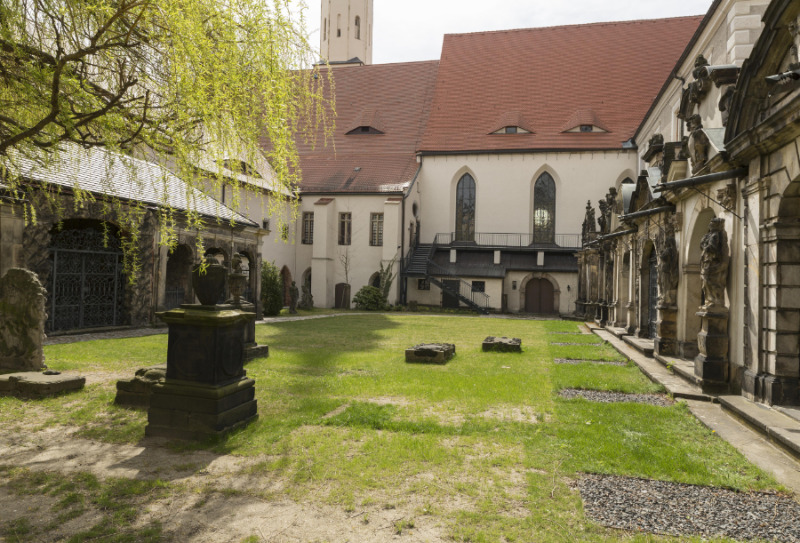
x=502, y=344
x=34, y=384
x=431, y=353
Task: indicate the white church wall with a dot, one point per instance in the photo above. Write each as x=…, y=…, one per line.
x=504, y=188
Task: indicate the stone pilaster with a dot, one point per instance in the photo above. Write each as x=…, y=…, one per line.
x=666, y=330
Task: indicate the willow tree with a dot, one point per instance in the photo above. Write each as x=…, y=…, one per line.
x=186, y=82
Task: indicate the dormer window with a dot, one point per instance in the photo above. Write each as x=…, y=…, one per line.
x=364, y=130
x=512, y=130
x=585, y=121
x=587, y=128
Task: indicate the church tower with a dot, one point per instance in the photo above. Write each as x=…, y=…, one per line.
x=346, y=31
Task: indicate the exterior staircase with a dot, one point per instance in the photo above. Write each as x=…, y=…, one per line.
x=419, y=264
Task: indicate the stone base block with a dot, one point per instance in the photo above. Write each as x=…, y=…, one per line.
x=39, y=385
x=502, y=344
x=770, y=389
x=253, y=351
x=665, y=346
x=194, y=411
x=713, y=373
x=431, y=353
x=136, y=392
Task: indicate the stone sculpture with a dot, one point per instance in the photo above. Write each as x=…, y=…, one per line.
x=22, y=318
x=294, y=295
x=667, y=269
x=714, y=262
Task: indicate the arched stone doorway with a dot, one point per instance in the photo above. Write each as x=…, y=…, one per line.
x=692, y=289
x=648, y=315
x=541, y=295
x=86, y=286
x=178, y=288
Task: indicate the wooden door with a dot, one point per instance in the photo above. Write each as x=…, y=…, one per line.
x=539, y=297
x=450, y=300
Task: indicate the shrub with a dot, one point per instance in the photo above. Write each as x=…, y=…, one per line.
x=370, y=298
x=271, y=289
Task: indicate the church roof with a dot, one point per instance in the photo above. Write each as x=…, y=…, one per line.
x=392, y=99
x=552, y=76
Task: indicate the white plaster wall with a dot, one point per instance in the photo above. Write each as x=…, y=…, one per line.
x=504, y=188
x=364, y=259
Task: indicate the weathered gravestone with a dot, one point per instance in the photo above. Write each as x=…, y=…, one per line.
x=431, y=353
x=22, y=317
x=502, y=344
x=136, y=392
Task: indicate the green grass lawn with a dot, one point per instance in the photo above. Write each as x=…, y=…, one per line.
x=483, y=444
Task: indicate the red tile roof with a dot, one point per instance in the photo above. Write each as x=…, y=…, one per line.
x=392, y=98
x=548, y=75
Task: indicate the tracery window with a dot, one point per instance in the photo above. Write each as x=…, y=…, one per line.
x=358, y=27
x=544, y=209
x=345, y=223
x=308, y=228
x=376, y=229
x=465, y=209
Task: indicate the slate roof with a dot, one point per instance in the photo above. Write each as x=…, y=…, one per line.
x=392, y=98
x=127, y=178
x=552, y=77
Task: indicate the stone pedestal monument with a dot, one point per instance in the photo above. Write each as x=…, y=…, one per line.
x=711, y=365
x=666, y=342
x=206, y=391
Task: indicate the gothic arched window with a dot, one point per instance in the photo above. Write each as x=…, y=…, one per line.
x=544, y=209
x=465, y=209
x=358, y=27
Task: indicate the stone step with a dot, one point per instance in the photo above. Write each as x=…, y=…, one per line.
x=654, y=370
x=644, y=346
x=782, y=429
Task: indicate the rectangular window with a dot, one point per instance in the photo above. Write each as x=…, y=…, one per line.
x=479, y=286
x=308, y=228
x=423, y=284
x=376, y=229
x=345, y=222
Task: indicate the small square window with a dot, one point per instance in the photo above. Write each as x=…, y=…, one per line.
x=587, y=128
x=479, y=286
x=511, y=130
x=265, y=224
x=423, y=284
x=285, y=232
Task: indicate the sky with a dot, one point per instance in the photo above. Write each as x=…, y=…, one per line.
x=411, y=30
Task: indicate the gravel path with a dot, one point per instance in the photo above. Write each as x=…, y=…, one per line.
x=576, y=361
x=678, y=509
x=660, y=400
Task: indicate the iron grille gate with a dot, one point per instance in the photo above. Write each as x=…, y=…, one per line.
x=86, y=290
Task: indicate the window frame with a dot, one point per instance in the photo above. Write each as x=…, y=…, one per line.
x=345, y=228
x=478, y=286
x=376, y=229
x=308, y=228
x=544, y=209
x=466, y=196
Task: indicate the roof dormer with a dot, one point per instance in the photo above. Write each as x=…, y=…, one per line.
x=367, y=122
x=511, y=122
x=585, y=121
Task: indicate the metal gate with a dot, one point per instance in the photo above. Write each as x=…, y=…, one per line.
x=86, y=288
x=652, y=298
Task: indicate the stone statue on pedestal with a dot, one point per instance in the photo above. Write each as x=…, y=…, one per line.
x=714, y=262
x=294, y=296
x=667, y=268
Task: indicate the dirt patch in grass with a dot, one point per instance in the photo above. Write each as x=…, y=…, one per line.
x=510, y=413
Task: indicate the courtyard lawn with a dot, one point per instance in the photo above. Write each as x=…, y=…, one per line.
x=480, y=449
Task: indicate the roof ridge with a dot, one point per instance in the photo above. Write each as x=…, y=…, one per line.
x=576, y=25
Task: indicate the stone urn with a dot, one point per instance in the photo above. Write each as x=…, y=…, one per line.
x=237, y=281
x=209, y=286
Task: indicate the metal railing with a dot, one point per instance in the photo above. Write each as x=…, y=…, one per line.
x=486, y=239
x=480, y=299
